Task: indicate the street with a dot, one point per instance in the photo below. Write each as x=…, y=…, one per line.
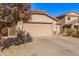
x=46, y=46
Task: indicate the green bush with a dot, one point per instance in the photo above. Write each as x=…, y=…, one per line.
x=71, y=32
x=75, y=34
x=68, y=31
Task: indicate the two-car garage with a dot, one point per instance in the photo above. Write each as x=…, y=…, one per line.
x=38, y=29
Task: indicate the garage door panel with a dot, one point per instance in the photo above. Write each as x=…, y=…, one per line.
x=38, y=29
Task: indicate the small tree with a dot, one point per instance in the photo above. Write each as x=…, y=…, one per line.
x=11, y=13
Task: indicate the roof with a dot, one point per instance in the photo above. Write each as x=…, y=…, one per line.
x=63, y=15
x=43, y=13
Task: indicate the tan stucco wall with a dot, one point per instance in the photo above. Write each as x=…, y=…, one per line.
x=41, y=18
x=45, y=19
x=75, y=24
x=39, y=25
x=71, y=19
x=73, y=16
x=58, y=29
x=62, y=23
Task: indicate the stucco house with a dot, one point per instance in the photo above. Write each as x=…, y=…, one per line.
x=40, y=24
x=69, y=20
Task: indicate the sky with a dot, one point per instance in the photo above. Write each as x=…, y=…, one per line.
x=56, y=9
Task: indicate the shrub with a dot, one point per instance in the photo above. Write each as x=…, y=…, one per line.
x=68, y=31
x=20, y=39
x=75, y=33
x=29, y=37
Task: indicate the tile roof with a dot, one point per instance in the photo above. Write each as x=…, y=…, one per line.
x=43, y=13
x=63, y=15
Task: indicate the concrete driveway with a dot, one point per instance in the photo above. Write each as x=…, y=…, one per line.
x=46, y=46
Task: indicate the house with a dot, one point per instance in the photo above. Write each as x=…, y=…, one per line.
x=40, y=24
x=69, y=20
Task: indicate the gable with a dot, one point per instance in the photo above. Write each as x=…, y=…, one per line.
x=73, y=22
x=73, y=13
x=41, y=18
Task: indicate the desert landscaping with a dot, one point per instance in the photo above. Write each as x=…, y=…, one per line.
x=45, y=46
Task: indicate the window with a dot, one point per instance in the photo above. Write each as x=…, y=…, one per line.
x=75, y=26
x=68, y=18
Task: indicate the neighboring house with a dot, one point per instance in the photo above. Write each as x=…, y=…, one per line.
x=69, y=20
x=40, y=24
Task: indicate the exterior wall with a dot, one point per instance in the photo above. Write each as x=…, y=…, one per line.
x=45, y=19
x=38, y=29
x=54, y=27
x=58, y=29
x=39, y=25
x=41, y=18
x=72, y=18
x=62, y=23
x=75, y=24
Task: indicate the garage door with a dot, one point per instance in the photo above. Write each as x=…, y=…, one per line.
x=38, y=29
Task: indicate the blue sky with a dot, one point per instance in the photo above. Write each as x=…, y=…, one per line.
x=56, y=9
